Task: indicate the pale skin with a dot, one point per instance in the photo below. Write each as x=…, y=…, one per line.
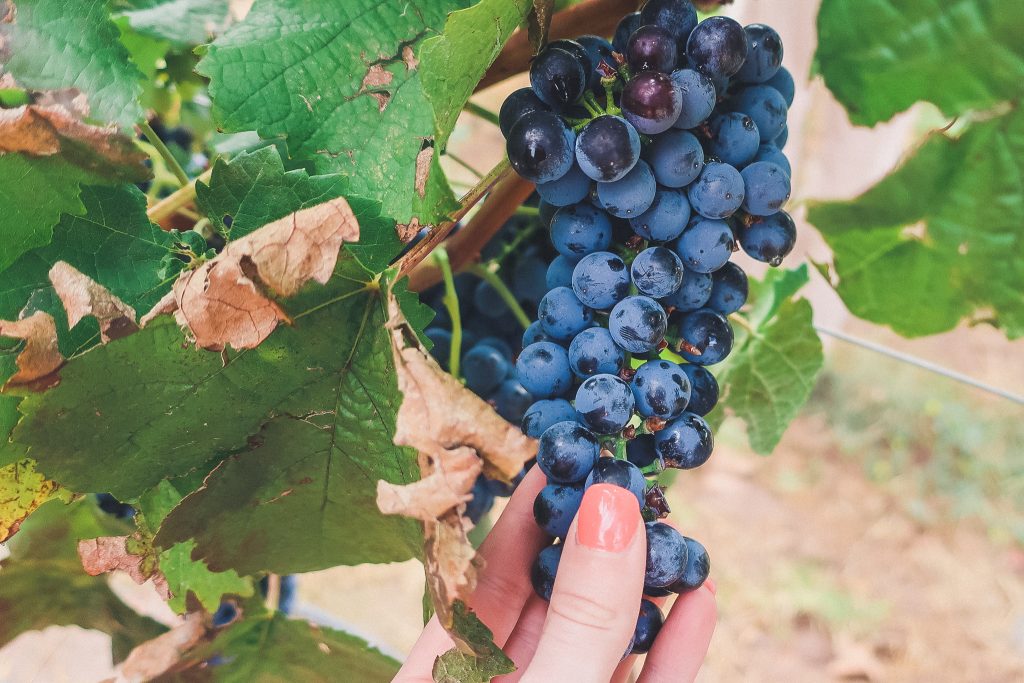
x=581, y=635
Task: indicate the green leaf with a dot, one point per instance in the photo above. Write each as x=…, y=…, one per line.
x=58, y=44
x=937, y=240
x=455, y=666
x=370, y=123
x=452, y=63
x=881, y=56
x=182, y=23
x=271, y=647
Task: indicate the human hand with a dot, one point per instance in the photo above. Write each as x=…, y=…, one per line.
x=584, y=631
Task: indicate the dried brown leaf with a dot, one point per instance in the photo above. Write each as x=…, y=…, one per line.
x=156, y=656
x=436, y=493
x=40, y=358
x=110, y=553
x=82, y=296
x=423, y=169
x=226, y=301
x=538, y=21
x=450, y=564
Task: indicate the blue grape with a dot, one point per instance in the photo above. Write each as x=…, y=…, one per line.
x=698, y=95
x=594, y=352
x=666, y=555
x=678, y=17
x=685, y=442
x=558, y=77
x=528, y=279
x=717, y=47
x=488, y=302
x=631, y=195
x=518, y=104
x=484, y=368
x=481, y=502
x=579, y=230
x=729, y=289
x=637, y=324
x=535, y=333
x=599, y=50
x=661, y=389
x=769, y=238
x=544, y=413
x=545, y=567
x=734, y=138
x=766, y=106
x=112, y=506
x=703, y=389
x=604, y=403
x=442, y=345
x=718, y=192
x=576, y=49
x=543, y=369
x=764, y=54
x=676, y=157
x=698, y=566
x=563, y=315
x=571, y=188
x=657, y=272
x=769, y=152
x=607, y=148
x=781, y=139
x=783, y=82
x=624, y=30
x=651, y=48
x=705, y=337
x=766, y=188
x=641, y=451
x=226, y=613
x=559, y=273
x=540, y=146
x=648, y=624
x=498, y=344
x=621, y=473
x=555, y=507
x=567, y=452
x=600, y=280
x=666, y=218
x=693, y=293
x=706, y=245
x=651, y=102
x=546, y=212
x=511, y=400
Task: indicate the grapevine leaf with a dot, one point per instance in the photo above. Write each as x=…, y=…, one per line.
x=452, y=63
x=374, y=120
x=22, y=490
x=881, y=56
x=133, y=555
x=935, y=241
x=82, y=296
x=56, y=44
x=486, y=661
x=182, y=23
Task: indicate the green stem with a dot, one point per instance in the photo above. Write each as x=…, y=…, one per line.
x=165, y=153
x=742, y=322
x=609, y=95
x=491, y=278
x=451, y=302
x=527, y=211
x=485, y=114
x=591, y=105
x=464, y=164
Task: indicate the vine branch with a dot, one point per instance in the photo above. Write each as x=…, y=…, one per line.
x=158, y=144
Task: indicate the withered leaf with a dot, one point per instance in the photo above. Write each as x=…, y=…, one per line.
x=538, y=21
x=113, y=553
x=40, y=358
x=156, y=656
x=82, y=296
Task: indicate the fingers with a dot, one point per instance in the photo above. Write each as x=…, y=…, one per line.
x=523, y=642
x=593, y=607
x=682, y=643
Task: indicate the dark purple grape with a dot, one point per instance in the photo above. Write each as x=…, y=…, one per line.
x=608, y=148
x=648, y=624
x=651, y=102
x=558, y=77
x=576, y=49
x=678, y=17
x=624, y=30
x=703, y=389
x=540, y=147
x=651, y=48
x=717, y=47
x=705, y=337
x=517, y=105
x=764, y=54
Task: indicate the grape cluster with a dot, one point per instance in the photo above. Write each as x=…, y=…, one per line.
x=657, y=155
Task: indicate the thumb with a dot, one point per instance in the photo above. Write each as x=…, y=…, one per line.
x=597, y=590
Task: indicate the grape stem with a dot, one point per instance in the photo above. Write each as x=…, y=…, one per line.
x=481, y=112
x=488, y=273
x=464, y=164
x=169, y=205
x=451, y=302
x=527, y=211
x=165, y=153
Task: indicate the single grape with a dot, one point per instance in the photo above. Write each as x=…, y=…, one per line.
x=542, y=574
x=648, y=624
x=693, y=293
x=517, y=105
x=543, y=369
x=604, y=403
x=766, y=106
x=481, y=502
x=540, y=147
x=764, y=54
x=703, y=389
x=559, y=273
x=685, y=442
x=535, y=333
x=598, y=50
x=717, y=47
x=698, y=96
x=225, y=614
x=783, y=82
x=563, y=315
x=651, y=48
x=676, y=157
x=624, y=30
x=661, y=389
x=678, y=17
x=600, y=280
x=657, y=272
x=576, y=49
x=442, y=344
x=640, y=451
x=665, y=219
x=706, y=245
x=728, y=290
x=593, y=352
x=621, y=473
x=706, y=337
x=666, y=555
x=638, y=324
x=511, y=400
x=717, y=192
x=734, y=138
x=484, y=368
x=769, y=152
x=631, y=195
x=567, y=452
x=528, y=277
x=544, y=413
x=769, y=238
x=571, y=188
x=555, y=507
x=558, y=77
x=651, y=102
x=698, y=566
x=579, y=230
x=488, y=302
x=607, y=148
x=766, y=188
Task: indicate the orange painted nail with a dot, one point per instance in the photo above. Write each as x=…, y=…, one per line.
x=607, y=519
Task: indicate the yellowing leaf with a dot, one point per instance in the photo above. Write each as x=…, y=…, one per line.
x=22, y=490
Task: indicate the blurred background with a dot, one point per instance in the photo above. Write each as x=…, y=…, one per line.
x=882, y=541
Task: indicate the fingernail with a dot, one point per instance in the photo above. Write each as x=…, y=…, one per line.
x=710, y=583
x=607, y=519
